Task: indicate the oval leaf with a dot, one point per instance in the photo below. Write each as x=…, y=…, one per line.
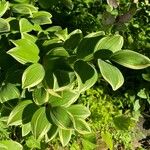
x=16, y=115
x=3, y=7
x=40, y=96
x=65, y=136
x=25, y=51
x=4, y=26
x=113, y=43
x=62, y=118
x=111, y=74
x=33, y=75
x=39, y=123
x=131, y=59
x=79, y=111
x=86, y=75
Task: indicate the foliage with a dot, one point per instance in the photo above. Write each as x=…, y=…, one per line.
x=44, y=69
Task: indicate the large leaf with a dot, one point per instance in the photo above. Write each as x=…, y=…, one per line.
x=40, y=96
x=41, y=18
x=81, y=126
x=86, y=47
x=111, y=74
x=8, y=91
x=131, y=59
x=3, y=7
x=9, y=144
x=67, y=97
x=61, y=117
x=39, y=123
x=113, y=43
x=25, y=25
x=4, y=26
x=79, y=110
x=73, y=40
x=65, y=136
x=16, y=115
x=86, y=75
x=25, y=51
x=33, y=75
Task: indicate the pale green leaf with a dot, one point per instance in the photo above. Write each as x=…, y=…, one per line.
x=25, y=51
x=8, y=91
x=79, y=110
x=26, y=128
x=131, y=59
x=111, y=74
x=33, y=75
x=3, y=7
x=39, y=123
x=107, y=137
x=11, y=145
x=86, y=75
x=61, y=117
x=65, y=136
x=113, y=43
x=4, y=26
x=40, y=96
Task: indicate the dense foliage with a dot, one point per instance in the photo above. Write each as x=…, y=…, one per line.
x=47, y=69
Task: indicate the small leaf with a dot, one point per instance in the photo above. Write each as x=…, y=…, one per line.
x=113, y=3
x=113, y=43
x=131, y=59
x=8, y=92
x=39, y=123
x=33, y=143
x=9, y=144
x=26, y=128
x=3, y=7
x=51, y=133
x=16, y=115
x=146, y=76
x=107, y=137
x=81, y=126
x=25, y=25
x=62, y=118
x=67, y=97
x=78, y=110
x=25, y=51
x=65, y=136
x=41, y=18
x=86, y=79
x=68, y=4
x=111, y=74
x=40, y=96
x=73, y=40
x=33, y=75
x=4, y=26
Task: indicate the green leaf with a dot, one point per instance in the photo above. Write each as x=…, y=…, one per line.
x=33, y=75
x=131, y=59
x=86, y=75
x=3, y=7
x=51, y=133
x=25, y=51
x=8, y=91
x=107, y=137
x=67, y=97
x=25, y=25
x=81, y=126
x=111, y=74
x=79, y=110
x=39, y=123
x=68, y=3
x=65, y=136
x=4, y=26
x=146, y=76
x=41, y=18
x=16, y=115
x=9, y=144
x=85, y=49
x=122, y=122
x=32, y=38
x=33, y=143
x=113, y=43
x=73, y=40
x=26, y=128
x=40, y=96
x=61, y=117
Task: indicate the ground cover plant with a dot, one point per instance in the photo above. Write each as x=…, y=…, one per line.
x=45, y=70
